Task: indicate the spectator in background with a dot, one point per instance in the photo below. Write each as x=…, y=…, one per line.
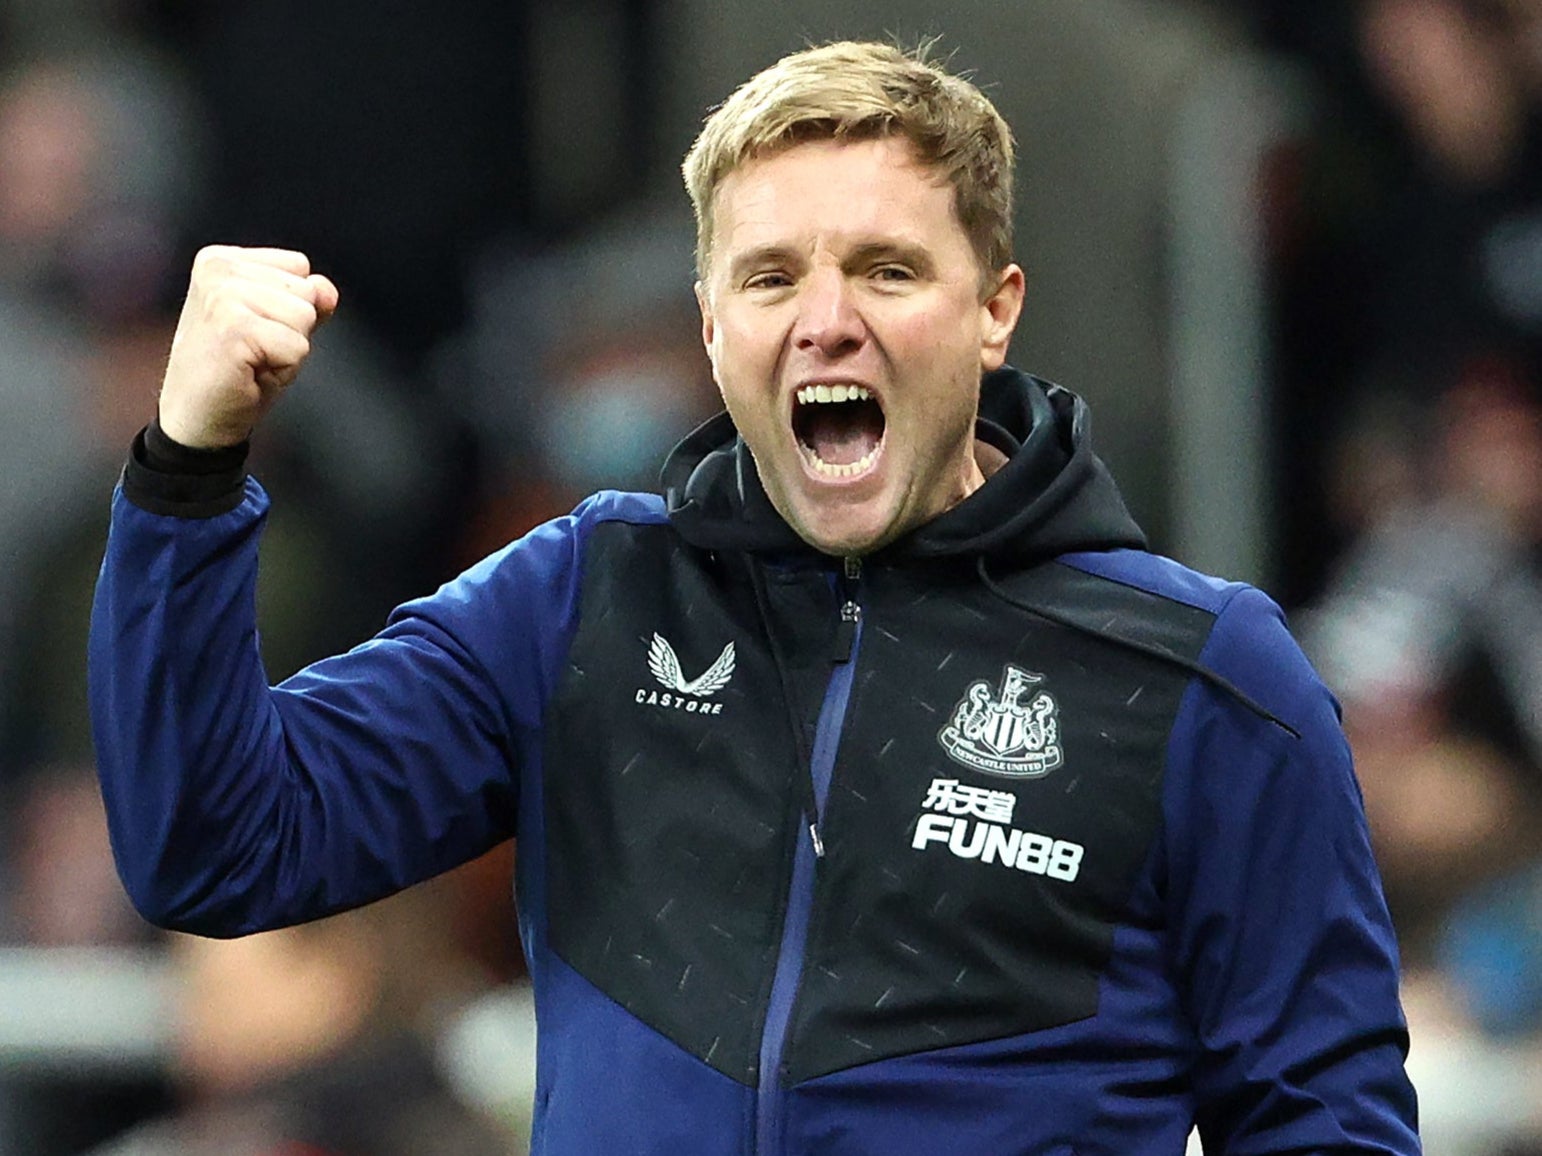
x=582, y=367
x=1431, y=633
x=1411, y=375
x=1413, y=258
x=1462, y=247
x=61, y=893
x=98, y=161
x=63, y=889
x=320, y=1040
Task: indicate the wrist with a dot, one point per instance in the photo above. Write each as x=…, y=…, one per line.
x=198, y=437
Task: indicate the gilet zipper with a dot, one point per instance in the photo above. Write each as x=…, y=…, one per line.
x=769, y=1100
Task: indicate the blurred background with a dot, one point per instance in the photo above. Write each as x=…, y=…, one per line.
x=1291, y=251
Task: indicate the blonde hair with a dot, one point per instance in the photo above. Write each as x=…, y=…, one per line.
x=861, y=91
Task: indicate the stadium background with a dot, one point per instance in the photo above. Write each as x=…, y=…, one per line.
x=1291, y=252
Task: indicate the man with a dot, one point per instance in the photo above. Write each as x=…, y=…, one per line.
x=876, y=792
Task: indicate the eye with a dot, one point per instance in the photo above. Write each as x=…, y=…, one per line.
x=894, y=273
x=769, y=279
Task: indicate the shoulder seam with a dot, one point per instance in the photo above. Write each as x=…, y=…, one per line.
x=613, y=506
x=1215, y=610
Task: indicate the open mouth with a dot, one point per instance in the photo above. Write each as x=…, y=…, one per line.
x=839, y=428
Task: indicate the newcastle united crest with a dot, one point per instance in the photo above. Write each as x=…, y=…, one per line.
x=993, y=730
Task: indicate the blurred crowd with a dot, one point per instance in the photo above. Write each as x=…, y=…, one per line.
x=513, y=337
x=1408, y=265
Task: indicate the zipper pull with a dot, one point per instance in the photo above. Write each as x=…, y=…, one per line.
x=846, y=631
x=819, y=844
x=851, y=613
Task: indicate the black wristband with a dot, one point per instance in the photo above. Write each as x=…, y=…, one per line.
x=165, y=477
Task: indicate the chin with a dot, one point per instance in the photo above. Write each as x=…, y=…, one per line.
x=841, y=525
x=843, y=541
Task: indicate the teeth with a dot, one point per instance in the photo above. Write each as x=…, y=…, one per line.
x=849, y=470
x=810, y=394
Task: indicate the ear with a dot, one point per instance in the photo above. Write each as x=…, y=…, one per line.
x=708, y=322
x=999, y=314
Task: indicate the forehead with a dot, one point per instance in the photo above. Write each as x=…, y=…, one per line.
x=829, y=190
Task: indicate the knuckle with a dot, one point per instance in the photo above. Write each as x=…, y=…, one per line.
x=212, y=270
x=290, y=261
x=213, y=256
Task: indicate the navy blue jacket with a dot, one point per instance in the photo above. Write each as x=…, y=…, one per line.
x=1011, y=837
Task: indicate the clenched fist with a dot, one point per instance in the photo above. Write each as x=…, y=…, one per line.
x=245, y=329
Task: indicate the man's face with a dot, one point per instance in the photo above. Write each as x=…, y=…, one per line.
x=844, y=319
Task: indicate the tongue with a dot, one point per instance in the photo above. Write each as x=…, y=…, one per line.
x=842, y=434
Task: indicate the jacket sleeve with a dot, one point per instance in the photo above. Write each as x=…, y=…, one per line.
x=1284, y=950
x=235, y=807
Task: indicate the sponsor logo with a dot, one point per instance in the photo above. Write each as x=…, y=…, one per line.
x=955, y=798
x=994, y=731
x=946, y=817
x=679, y=692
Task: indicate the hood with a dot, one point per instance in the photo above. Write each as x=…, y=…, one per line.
x=1052, y=496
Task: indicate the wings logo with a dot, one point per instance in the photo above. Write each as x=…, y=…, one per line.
x=679, y=692
x=1002, y=735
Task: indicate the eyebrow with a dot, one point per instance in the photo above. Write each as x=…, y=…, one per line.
x=759, y=257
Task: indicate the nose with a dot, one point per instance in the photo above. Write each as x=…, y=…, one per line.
x=828, y=322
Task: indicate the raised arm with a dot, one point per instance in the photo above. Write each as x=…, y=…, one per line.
x=233, y=806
